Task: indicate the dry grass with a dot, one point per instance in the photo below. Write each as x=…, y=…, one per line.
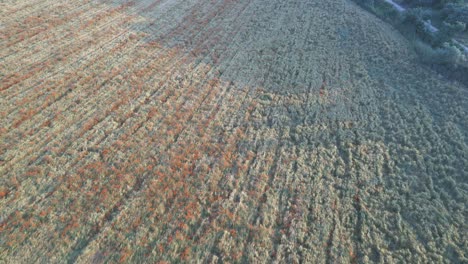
x=223, y=131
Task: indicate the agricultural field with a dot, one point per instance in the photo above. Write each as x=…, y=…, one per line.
x=225, y=131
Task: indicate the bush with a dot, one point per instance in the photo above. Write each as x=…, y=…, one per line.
x=453, y=13
x=413, y=26
x=454, y=27
x=447, y=54
x=434, y=46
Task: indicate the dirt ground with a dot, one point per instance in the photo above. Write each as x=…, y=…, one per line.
x=224, y=131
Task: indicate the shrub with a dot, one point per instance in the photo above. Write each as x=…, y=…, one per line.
x=447, y=54
x=434, y=46
x=454, y=12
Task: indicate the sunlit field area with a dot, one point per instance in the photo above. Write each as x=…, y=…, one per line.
x=225, y=131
